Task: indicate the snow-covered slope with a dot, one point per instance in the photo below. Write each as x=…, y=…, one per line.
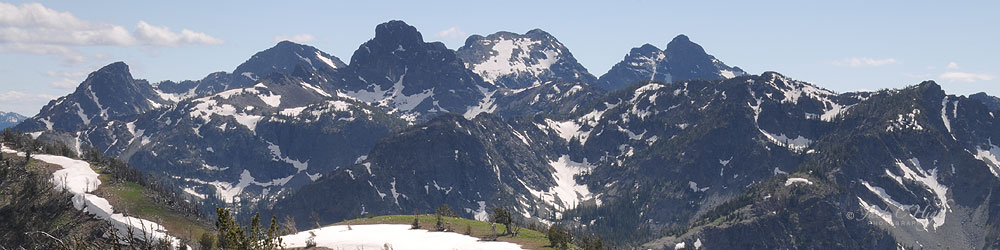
x=398, y=237
x=78, y=178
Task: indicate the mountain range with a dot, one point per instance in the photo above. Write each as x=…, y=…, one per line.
x=669, y=149
x=9, y=119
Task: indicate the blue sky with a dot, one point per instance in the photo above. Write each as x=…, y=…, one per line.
x=47, y=48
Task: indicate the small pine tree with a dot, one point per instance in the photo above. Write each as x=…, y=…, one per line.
x=207, y=241
x=416, y=221
x=592, y=242
x=289, y=225
x=315, y=219
x=438, y=225
x=500, y=215
x=231, y=235
x=234, y=236
x=311, y=241
x=558, y=237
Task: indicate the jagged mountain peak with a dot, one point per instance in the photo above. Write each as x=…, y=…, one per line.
x=930, y=84
x=681, y=60
x=538, y=31
x=284, y=57
x=394, y=40
x=645, y=49
x=513, y=60
x=681, y=38
x=688, y=61
x=114, y=67
x=112, y=76
x=991, y=102
x=399, y=71
x=108, y=93
x=398, y=32
x=773, y=77
x=682, y=44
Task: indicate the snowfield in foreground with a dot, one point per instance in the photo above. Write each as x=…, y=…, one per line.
x=78, y=178
x=400, y=237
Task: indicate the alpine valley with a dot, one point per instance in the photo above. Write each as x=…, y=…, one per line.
x=670, y=149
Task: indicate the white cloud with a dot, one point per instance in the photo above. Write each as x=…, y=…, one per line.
x=451, y=33
x=96, y=35
x=23, y=103
x=33, y=28
x=37, y=15
x=300, y=38
x=14, y=96
x=965, y=77
x=864, y=62
x=952, y=65
x=162, y=36
x=64, y=83
x=34, y=24
x=54, y=73
x=912, y=75
x=69, y=56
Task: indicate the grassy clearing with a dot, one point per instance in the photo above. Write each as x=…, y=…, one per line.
x=130, y=197
x=527, y=238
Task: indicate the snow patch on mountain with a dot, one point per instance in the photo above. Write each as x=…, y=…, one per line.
x=292, y=111
x=325, y=59
x=794, y=180
x=194, y=193
x=316, y=89
x=565, y=129
x=206, y=107
x=884, y=215
x=694, y=187
x=486, y=105
x=990, y=154
x=271, y=99
x=480, y=213
x=512, y=56
x=914, y=172
x=276, y=153
x=944, y=115
x=393, y=97
x=906, y=121
x=229, y=192
x=728, y=74
x=567, y=193
x=797, y=144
